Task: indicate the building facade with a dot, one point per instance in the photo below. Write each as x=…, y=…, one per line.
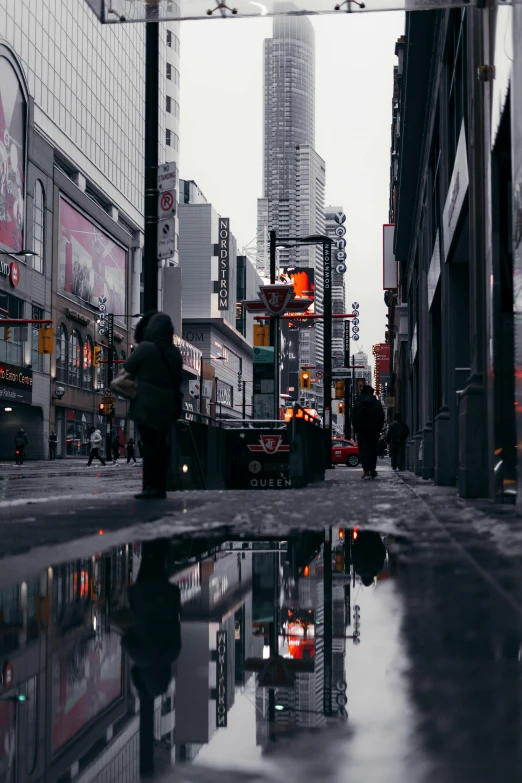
x=456, y=204
x=72, y=193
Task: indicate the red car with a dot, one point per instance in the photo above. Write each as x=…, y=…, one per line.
x=345, y=452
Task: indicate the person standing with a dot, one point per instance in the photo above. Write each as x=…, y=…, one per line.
x=368, y=420
x=157, y=365
x=115, y=450
x=130, y=446
x=397, y=435
x=96, y=442
x=20, y=443
x=53, y=443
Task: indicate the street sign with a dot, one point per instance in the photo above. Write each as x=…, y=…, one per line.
x=108, y=399
x=166, y=232
x=207, y=390
x=319, y=375
x=355, y=336
x=389, y=402
x=167, y=176
x=340, y=269
x=167, y=204
x=276, y=297
x=340, y=231
x=340, y=217
x=355, y=305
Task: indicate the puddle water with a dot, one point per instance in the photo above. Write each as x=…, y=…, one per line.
x=233, y=659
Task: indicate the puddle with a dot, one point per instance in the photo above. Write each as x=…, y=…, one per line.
x=310, y=656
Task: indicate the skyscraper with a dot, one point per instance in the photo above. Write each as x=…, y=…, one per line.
x=293, y=173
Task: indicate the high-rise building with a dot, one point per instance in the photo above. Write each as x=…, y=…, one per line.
x=293, y=174
x=338, y=293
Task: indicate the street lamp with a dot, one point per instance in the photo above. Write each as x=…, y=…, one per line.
x=20, y=253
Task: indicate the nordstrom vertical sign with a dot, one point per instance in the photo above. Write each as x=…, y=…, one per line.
x=224, y=262
x=221, y=697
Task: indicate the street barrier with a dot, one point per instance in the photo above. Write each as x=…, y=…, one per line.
x=307, y=449
x=197, y=453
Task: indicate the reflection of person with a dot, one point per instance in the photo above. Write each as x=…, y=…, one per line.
x=368, y=556
x=157, y=365
x=150, y=627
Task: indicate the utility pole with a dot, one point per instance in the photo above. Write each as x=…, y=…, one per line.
x=347, y=383
x=110, y=375
x=152, y=93
x=274, y=326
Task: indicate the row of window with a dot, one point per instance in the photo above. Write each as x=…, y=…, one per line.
x=172, y=106
x=172, y=74
x=172, y=139
x=74, y=360
x=173, y=41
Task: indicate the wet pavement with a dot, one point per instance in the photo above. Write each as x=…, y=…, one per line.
x=351, y=630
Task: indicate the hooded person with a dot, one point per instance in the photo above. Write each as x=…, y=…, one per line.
x=368, y=421
x=368, y=556
x=157, y=365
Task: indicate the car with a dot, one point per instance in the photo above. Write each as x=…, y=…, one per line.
x=345, y=452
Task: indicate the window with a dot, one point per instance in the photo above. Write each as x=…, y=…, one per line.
x=87, y=364
x=61, y=355
x=36, y=358
x=75, y=359
x=169, y=104
x=38, y=227
x=168, y=138
x=169, y=40
x=169, y=71
x=11, y=350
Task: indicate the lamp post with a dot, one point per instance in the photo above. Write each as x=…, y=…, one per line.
x=326, y=242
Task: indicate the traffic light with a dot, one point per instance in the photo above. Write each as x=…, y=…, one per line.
x=45, y=341
x=341, y=409
x=101, y=409
x=339, y=390
x=96, y=356
x=305, y=380
x=261, y=335
x=7, y=333
x=108, y=408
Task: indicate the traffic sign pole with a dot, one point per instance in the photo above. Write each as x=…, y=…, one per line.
x=347, y=383
x=152, y=70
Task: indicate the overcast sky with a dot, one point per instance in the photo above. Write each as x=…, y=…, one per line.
x=222, y=131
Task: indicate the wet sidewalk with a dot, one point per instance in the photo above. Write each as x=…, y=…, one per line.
x=406, y=602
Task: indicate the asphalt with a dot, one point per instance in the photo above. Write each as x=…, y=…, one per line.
x=434, y=688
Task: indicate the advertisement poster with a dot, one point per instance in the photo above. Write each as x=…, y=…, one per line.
x=12, y=158
x=7, y=742
x=90, y=264
x=289, y=360
x=86, y=680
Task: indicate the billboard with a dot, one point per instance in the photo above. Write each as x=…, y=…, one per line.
x=289, y=360
x=303, y=281
x=90, y=264
x=390, y=279
x=12, y=158
x=86, y=680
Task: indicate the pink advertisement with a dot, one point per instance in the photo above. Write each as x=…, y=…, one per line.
x=86, y=680
x=90, y=264
x=12, y=158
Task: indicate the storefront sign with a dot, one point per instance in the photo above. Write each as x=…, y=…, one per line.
x=16, y=384
x=456, y=193
x=223, y=262
x=224, y=394
x=221, y=679
x=74, y=315
x=10, y=270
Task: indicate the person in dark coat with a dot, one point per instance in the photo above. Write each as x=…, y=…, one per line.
x=368, y=421
x=131, y=450
x=20, y=443
x=397, y=436
x=115, y=449
x=157, y=365
x=53, y=443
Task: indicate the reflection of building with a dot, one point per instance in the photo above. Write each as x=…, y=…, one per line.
x=71, y=190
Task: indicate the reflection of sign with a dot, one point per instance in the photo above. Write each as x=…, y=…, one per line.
x=276, y=298
x=90, y=264
x=221, y=700
x=16, y=385
x=270, y=444
x=223, y=263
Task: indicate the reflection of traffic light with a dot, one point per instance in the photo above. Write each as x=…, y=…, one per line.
x=305, y=381
x=101, y=409
x=96, y=356
x=341, y=408
x=7, y=333
x=45, y=341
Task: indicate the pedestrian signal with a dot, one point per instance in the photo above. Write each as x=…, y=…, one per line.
x=339, y=390
x=305, y=380
x=341, y=409
x=7, y=333
x=96, y=356
x=45, y=341
x=101, y=409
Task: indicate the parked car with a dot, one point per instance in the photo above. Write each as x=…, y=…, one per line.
x=345, y=452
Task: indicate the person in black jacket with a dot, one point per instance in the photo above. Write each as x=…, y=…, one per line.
x=157, y=365
x=368, y=420
x=20, y=443
x=53, y=443
x=397, y=435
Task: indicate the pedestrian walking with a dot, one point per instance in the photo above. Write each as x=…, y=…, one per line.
x=368, y=420
x=96, y=442
x=157, y=366
x=115, y=450
x=20, y=443
x=130, y=446
x=53, y=443
x=140, y=448
x=397, y=436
